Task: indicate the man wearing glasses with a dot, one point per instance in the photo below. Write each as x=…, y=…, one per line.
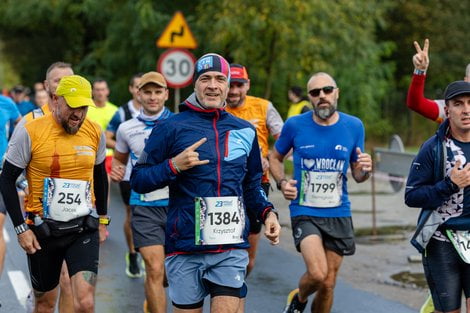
x=324, y=142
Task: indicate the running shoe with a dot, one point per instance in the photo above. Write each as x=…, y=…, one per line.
x=428, y=306
x=132, y=265
x=293, y=304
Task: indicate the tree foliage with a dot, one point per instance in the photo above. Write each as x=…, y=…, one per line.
x=365, y=45
x=282, y=42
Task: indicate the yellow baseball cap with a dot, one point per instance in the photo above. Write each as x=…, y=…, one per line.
x=76, y=90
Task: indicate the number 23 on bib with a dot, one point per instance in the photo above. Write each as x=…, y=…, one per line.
x=66, y=199
x=219, y=220
x=321, y=189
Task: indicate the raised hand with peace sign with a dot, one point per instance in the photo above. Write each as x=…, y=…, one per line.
x=189, y=157
x=421, y=58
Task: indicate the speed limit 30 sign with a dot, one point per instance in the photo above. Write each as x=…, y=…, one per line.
x=177, y=66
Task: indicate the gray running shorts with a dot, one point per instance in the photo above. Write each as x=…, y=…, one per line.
x=337, y=233
x=148, y=225
x=188, y=274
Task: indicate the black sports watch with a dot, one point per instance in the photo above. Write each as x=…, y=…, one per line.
x=279, y=183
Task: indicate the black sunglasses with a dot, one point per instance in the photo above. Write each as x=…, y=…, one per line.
x=326, y=90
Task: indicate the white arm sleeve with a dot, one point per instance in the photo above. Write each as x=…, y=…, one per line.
x=274, y=120
x=101, y=153
x=19, y=148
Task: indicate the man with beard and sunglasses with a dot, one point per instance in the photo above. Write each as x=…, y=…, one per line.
x=324, y=142
x=67, y=200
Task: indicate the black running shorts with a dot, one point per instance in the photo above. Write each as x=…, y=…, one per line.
x=80, y=251
x=337, y=233
x=447, y=275
x=3, y=208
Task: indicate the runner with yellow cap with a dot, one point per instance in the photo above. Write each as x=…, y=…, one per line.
x=63, y=154
x=54, y=74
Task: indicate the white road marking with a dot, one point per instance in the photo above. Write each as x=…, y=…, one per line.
x=5, y=235
x=20, y=285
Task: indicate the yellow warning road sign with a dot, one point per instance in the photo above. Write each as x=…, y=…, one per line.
x=177, y=34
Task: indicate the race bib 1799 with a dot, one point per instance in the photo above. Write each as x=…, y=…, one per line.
x=321, y=189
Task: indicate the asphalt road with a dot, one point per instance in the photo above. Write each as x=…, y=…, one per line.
x=276, y=273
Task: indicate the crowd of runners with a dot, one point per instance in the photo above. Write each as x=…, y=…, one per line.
x=195, y=185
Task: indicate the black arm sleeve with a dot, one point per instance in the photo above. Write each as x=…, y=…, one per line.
x=100, y=182
x=10, y=196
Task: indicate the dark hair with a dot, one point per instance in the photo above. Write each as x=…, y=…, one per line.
x=18, y=89
x=132, y=80
x=296, y=90
x=99, y=80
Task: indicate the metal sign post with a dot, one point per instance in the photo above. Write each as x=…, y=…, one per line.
x=177, y=100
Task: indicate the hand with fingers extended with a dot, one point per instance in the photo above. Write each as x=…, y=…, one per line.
x=189, y=157
x=460, y=176
x=421, y=58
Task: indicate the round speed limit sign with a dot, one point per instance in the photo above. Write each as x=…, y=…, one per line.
x=177, y=66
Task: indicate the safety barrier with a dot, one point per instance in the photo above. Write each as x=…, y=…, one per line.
x=392, y=164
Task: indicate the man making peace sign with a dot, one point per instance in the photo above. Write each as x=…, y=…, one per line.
x=431, y=109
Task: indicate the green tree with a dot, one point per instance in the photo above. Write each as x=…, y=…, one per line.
x=365, y=45
x=445, y=24
x=282, y=42
x=107, y=39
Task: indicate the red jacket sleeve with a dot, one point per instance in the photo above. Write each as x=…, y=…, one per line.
x=416, y=101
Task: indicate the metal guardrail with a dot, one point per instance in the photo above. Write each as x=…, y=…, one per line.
x=393, y=161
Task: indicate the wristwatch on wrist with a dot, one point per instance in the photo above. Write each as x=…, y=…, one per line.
x=419, y=72
x=21, y=228
x=279, y=183
x=105, y=220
